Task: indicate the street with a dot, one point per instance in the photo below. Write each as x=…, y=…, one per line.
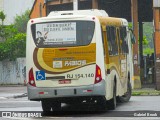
x=136, y=106
x=137, y=103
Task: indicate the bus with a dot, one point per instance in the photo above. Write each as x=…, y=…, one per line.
x=79, y=57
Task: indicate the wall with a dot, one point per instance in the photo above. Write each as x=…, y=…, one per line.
x=12, y=72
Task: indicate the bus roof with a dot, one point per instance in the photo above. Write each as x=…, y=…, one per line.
x=92, y=12
x=111, y=21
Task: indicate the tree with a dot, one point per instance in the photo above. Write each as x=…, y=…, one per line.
x=14, y=44
x=20, y=21
x=2, y=16
x=148, y=51
x=7, y=31
x=145, y=41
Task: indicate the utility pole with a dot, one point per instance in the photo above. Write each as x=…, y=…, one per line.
x=94, y=4
x=75, y=4
x=143, y=79
x=156, y=15
x=134, y=10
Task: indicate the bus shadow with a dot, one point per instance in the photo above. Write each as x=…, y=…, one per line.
x=81, y=110
x=78, y=110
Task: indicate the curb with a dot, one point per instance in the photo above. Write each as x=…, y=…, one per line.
x=20, y=85
x=146, y=93
x=18, y=96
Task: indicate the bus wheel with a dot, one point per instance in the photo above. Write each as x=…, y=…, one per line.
x=97, y=103
x=127, y=95
x=46, y=105
x=111, y=104
x=102, y=103
x=56, y=106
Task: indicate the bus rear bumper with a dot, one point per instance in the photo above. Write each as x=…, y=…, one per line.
x=39, y=93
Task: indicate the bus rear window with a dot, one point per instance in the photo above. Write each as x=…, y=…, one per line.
x=63, y=34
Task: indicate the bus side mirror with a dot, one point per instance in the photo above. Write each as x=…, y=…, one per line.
x=133, y=38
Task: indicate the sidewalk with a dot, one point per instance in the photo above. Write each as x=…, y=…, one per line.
x=145, y=92
x=13, y=91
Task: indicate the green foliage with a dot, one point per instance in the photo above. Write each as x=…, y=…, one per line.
x=147, y=51
x=146, y=48
x=7, y=31
x=147, y=38
x=2, y=16
x=130, y=25
x=20, y=22
x=145, y=41
x=14, y=46
x=14, y=39
x=148, y=32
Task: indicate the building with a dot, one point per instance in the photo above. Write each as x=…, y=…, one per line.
x=38, y=9
x=119, y=9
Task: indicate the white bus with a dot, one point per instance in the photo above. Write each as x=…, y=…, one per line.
x=78, y=57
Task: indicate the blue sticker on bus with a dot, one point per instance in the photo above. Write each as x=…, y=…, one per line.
x=40, y=75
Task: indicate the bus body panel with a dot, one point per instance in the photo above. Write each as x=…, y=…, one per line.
x=117, y=64
x=40, y=93
x=63, y=66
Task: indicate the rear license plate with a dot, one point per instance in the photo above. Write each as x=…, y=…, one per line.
x=64, y=81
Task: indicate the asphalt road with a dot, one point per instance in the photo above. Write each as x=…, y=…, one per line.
x=138, y=106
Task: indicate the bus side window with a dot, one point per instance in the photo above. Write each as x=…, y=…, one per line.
x=111, y=37
x=123, y=37
x=109, y=40
x=103, y=41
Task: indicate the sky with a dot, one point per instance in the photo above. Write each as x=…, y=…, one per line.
x=12, y=8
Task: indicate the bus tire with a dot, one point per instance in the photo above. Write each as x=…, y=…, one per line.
x=113, y=102
x=126, y=97
x=56, y=106
x=102, y=105
x=46, y=105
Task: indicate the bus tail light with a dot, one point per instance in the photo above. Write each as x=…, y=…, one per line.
x=98, y=77
x=31, y=78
